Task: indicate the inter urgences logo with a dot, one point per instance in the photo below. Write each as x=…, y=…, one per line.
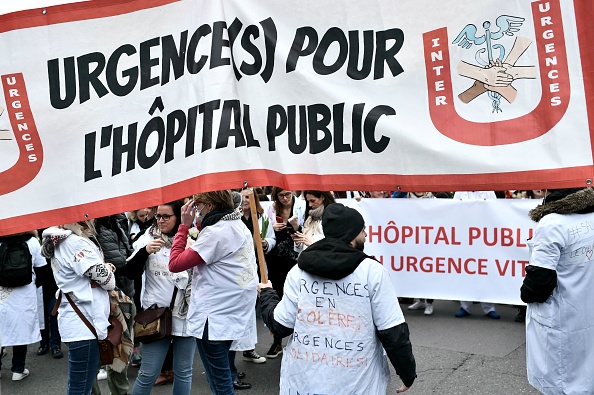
x=24, y=133
x=491, y=67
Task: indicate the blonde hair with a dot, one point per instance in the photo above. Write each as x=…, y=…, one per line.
x=259, y=208
x=220, y=200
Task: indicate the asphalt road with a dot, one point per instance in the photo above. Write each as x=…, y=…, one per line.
x=471, y=355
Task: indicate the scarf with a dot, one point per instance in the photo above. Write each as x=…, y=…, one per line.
x=215, y=216
x=155, y=233
x=120, y=307
x=51, y=239
x=180, y=310
x=316, y=214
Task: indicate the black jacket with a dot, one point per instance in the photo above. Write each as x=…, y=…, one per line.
x=113, y=240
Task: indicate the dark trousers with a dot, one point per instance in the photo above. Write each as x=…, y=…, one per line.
x=51, y=334
x=278, y=268
x=19, y=353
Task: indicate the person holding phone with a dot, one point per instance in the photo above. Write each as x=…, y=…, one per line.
x=288, y=212
x=312, y=227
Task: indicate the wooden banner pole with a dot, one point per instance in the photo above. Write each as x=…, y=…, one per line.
x=258, y=238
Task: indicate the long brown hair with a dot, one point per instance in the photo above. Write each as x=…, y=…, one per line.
x=328, y=199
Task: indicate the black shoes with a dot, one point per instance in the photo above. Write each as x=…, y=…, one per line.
x=521, y=316
x=42, y=350
x=57, y=353
x=275, y=351
x=240, y=385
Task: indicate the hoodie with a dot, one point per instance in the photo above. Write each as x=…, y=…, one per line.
x=333, y=259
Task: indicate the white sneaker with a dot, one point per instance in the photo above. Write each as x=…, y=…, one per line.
x=20, y=376
x=428, y=309
x=102, y=375
x=252, y=356
x=417, y=305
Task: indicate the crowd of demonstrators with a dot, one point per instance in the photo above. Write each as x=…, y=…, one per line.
x=287, y=212
x=19, y=325
x=558, y=287
x=336, y=260
x=224, y=281
x=84, y=278
x=150, y=261
x=215, y=278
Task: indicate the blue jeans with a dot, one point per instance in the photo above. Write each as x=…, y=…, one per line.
x=215, y=358
x=232, y=366
x=153, y=355
x=83, y=362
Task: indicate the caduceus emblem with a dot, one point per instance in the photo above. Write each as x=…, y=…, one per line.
x=496, y=73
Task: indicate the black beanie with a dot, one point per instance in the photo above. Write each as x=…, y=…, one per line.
x=341, y=222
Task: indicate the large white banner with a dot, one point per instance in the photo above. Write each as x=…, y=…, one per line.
x=451, y=249
x=119, y=104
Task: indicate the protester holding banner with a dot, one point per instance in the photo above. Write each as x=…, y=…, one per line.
x=466, y=306
x=426, y=304
x=264, y=222
x=559, y=289
x=286, y=209
x=151, y=260
x=247, y=344
x=378, y=194
x=335, y=278
x=82, y=274
x=312, y=227
x=224, y=281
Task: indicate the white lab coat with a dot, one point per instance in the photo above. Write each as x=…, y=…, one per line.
x=19, y=318
x=560, y=331
x=224, y=287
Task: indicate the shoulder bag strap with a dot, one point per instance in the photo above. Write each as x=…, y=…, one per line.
x=57, y=305
x=82, y=317
x=173, y=298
